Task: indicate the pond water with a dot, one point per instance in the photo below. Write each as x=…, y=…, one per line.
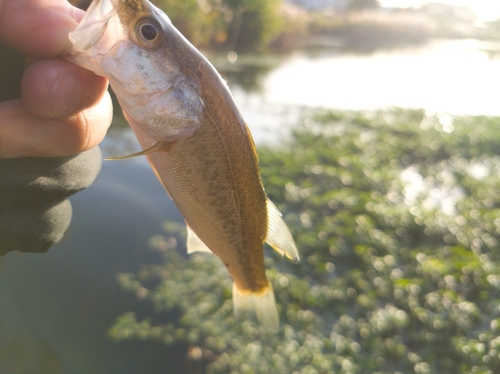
x=456, y=77
x=55, y=308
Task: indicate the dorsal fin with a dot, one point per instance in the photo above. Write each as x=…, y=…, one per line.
x=278, y=235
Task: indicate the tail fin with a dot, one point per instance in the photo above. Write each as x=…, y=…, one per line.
x=262, y=303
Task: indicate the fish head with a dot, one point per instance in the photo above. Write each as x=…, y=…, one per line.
x=148, y=62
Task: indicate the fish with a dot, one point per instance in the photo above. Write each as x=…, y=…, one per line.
x=196, y=140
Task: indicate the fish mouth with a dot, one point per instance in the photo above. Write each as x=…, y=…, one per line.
x=93, y=25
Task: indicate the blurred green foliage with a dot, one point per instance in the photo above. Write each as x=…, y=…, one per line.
x=235, y=25
x=363, y=4
x=397, y=218
x=257, y=25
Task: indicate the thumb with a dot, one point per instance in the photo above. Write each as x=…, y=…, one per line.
x=37, y=28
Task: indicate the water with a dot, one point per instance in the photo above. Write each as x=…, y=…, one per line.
x=455, y=77
x=55, y=308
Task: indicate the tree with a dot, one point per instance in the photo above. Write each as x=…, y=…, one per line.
x=239, y=25
x=201, y=25
x=253, y=24
x=363, y=4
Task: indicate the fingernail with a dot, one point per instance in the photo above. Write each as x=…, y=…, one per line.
x=64, y=95
x=77, y=14
x=20, y=134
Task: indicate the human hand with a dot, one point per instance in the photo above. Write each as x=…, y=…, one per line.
x=62, y=110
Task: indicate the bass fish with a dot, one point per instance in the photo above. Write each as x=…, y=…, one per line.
x=196, y=140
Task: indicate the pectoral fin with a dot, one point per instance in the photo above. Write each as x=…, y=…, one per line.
x=161, y=146
x=194, y=243
x=278, y=235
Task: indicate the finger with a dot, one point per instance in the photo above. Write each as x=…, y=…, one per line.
x=37, y=28
x=57, y=88
x=24, y=135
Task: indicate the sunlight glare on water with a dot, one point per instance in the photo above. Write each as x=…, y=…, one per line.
x=456, y=77
x=485, y=10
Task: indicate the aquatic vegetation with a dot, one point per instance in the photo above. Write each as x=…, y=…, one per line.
x=397, y=218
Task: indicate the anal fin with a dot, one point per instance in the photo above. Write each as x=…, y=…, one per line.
x=278, y=234
x=194, y=243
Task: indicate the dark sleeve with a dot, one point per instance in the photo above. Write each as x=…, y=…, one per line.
x=34, y=209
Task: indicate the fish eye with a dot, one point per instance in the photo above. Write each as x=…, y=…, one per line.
x=148, y=33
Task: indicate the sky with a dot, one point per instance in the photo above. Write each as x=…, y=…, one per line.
x=486, y=10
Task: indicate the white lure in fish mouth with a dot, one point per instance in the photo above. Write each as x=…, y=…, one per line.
x=93, y=25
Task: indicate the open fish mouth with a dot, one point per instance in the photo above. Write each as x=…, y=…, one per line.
x=94, y=24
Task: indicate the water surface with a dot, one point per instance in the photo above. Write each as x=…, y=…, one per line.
x=456, y=77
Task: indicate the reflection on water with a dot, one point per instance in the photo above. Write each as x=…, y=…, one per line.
x=458, y=77
x=247, y=72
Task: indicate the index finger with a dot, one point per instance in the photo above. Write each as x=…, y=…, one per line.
x=37, y=28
